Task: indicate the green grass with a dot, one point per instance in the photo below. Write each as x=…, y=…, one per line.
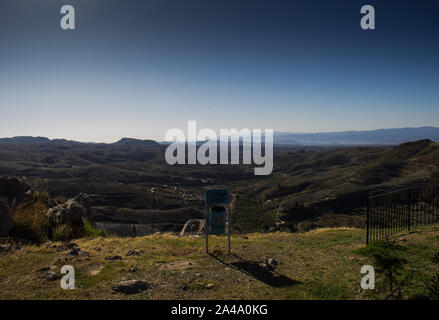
x=320, y=264
x=90, y=231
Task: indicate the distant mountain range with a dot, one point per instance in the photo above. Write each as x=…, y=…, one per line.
x=369, y=137
x=307, y=182
x=35, y=141
x=347, y=138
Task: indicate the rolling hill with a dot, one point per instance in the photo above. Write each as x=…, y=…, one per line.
x=309, y=186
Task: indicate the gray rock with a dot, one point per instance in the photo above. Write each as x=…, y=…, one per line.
x=268, y=264
x=133, y=253
x=72, y=212
x=44, y=269
x=71, y=245
x=184, y=287
x=74, y=252
x=5, y=247
x=131, y=286
x=134, y=268
x=113, y=258
x=194, y=226
x=14, y=188
x=78, y=252
x=51, y=276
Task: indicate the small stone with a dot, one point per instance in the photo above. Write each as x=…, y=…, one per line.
x=113, y=258
x=131, y=286
x=44, y=269
x=198, y=275
x=268, y=264
x=133, y=253
x=74, y=252
x=60, y=260
x=71, y=245
x=77, y=252
x=5, y=248
x=51, y=276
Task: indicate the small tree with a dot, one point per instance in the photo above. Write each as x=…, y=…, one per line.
x=432, y=286
x=387, y=259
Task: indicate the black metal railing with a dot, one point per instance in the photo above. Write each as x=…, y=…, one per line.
x=401, y=210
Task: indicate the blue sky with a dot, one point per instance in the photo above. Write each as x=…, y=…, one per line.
x=137, y=68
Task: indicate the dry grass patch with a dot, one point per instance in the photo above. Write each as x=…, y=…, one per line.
x=320, y=264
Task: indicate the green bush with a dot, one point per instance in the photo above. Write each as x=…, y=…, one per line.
x=30, y=221
x=66, y=232
x=90, y=231
x=387, y=259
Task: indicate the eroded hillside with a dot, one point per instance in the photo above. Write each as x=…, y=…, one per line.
x=309, y=187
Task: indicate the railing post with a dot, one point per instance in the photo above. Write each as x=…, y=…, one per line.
x=207, y=226
x=229, y=228
x=367, y=221
x=410, y=210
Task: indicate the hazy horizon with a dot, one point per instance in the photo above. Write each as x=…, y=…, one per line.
x=162, y=140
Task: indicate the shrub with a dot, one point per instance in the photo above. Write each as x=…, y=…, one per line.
x=30, y=221
x=65, y=232
x=42, y=196
x=387, y=259
x=432, y=286
x=90, y=231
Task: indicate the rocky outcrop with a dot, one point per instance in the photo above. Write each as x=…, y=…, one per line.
x=5, y=218
x=194, y=226
x=72, y=212
x=14, y=188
